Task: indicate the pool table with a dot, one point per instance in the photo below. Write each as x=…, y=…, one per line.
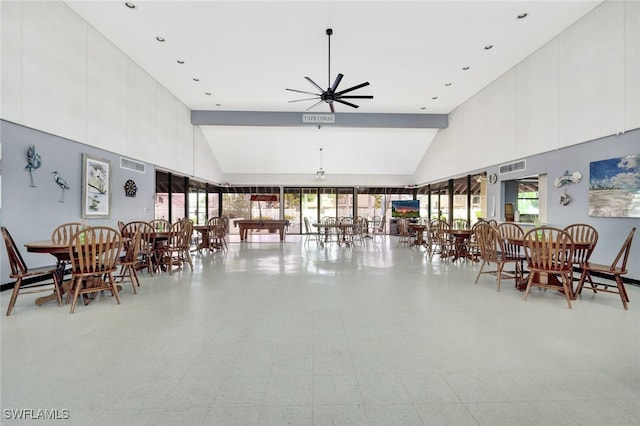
x=245, y=225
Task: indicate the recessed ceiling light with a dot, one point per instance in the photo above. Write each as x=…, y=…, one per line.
x=523, y=15
x=180, y=61
x=488, y=46
x=207, y=93
x=447, y=84
x=196, y=79
x=160, y=39
x=465, y=68
x=434, y=98
x=130, y=5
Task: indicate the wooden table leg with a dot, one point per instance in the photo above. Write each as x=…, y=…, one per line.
x=419, y=238
x=44, y=299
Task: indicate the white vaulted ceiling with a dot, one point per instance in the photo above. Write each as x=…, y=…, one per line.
x=245, y=53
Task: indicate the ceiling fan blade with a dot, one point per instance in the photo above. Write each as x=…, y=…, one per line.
x=346, y=103
x=333, y=110
x=356, y=97
x=307, y=99
x=353, y=88
x=302, y=91
x=336, y=82
x=315, y=84
x=314, y=105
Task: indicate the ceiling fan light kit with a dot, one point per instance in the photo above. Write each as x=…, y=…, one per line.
x=331, y=95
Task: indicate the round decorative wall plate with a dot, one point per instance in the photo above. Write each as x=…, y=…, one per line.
x=492, y=178
x=130, y=188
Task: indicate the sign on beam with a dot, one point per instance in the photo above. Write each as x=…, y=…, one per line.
x=318, y=118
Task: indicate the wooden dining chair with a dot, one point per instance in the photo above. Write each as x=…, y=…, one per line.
x=20, y=272
x=374, y=222
x=618, y=268
x=147, y=249
x=216, y=233
x=492, y=250
x=310, y=234
x=178, y=250
x=63, y=233
x=380, y=226
x=585, y=238
x=206, y=235
x=219, y=235
x=509, y=233
x=360, y=229
x=347, y=230
x=429, y=240
x=161, y=225
x=225, y=222
x=460, y=224
x=406, y=239
x=94, y=254
x=331, y=231
x=130, y=260
x=441, y=239
x=549, y=254
x=472, y=244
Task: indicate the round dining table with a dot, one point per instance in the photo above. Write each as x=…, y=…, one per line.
x=460, y=240
x=340, y=227
x=551, y=278
x=419, y=229
x=61, y=252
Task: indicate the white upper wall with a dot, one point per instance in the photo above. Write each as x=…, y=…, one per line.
x=60, y=76
x=582, y=85
x=205, y=163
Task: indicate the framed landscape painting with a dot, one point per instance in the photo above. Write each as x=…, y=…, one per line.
x=96, y=187
x=614, y=187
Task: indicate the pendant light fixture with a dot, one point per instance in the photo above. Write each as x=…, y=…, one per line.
x=320, y=172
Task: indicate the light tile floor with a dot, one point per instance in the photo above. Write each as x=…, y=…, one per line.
x=279, y=333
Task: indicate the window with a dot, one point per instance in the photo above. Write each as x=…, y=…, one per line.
x=528, y=202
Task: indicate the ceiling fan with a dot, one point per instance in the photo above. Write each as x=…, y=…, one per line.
x=331, y=95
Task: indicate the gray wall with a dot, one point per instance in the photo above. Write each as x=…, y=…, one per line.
x=30, y=214
x=612, y=231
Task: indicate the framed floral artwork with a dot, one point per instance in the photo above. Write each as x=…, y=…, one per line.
x=96, y=187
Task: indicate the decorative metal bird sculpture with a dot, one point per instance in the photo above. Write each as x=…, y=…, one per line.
x=33, y=162
x=61, y=183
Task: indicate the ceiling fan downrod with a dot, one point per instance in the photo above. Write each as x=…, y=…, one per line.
x=329, y=33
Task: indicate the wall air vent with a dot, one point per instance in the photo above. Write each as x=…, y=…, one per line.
x=513, y=167
x=126, y=163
